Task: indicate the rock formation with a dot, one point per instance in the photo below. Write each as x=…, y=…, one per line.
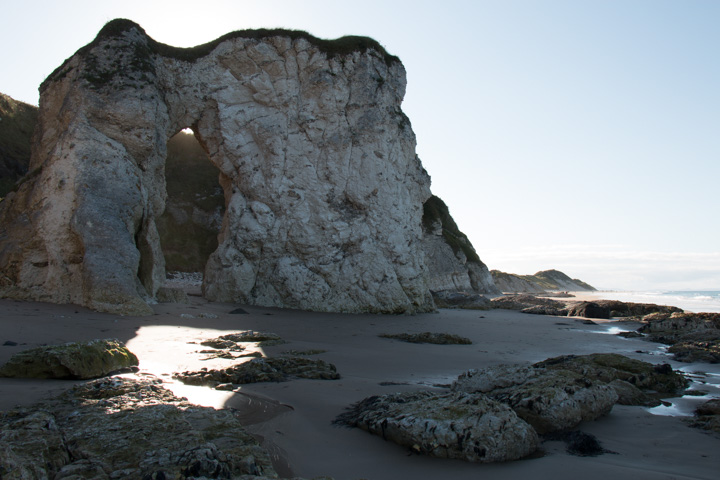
x=127, y=428
x=546, y=280
x=451, y=425
x=76, y=360
x=452, y=261
x=324, y=193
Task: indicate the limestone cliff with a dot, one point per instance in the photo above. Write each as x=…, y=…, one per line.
x=17, y=121
x=324, y=193
x=452, y=261
x=546, y=280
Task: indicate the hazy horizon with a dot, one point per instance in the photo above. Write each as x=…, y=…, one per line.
x=571, y=135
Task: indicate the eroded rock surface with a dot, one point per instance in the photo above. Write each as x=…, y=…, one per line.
x=625, y=374
x=123, y=428
x=76, y=360
x=548, y=400
x=324, y=192
x=474, y=428
x=693, y=337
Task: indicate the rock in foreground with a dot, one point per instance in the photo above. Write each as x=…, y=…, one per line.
x=80, y=360
x=130, y=429
x=455, y=425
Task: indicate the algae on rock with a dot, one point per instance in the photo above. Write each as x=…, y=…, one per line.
x=76, y=360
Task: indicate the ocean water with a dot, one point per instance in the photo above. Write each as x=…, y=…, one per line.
x=690, y=301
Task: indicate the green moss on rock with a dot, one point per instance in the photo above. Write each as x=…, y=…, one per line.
x=81, y=360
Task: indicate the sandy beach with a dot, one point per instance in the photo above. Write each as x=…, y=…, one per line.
x=293, y=418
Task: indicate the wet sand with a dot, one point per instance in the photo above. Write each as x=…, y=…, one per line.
x=294, y=418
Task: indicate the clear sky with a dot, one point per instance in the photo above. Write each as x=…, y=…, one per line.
x=571, y=134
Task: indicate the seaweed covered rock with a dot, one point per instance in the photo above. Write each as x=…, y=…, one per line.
x=123, y=428
x=458, y=425
x=77, y=360
x=277, y=369
x=608, y=367
x=429, y=337
x=549, y=400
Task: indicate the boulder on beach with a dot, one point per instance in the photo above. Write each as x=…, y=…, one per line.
x=588, y=310
x=126, y=428
x=609, y=367
x=77, y=360
x=469, y=427
x=549, y=400
x=707, y=416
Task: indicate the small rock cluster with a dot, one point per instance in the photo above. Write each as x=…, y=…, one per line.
x=496, y=413
x=277, y=369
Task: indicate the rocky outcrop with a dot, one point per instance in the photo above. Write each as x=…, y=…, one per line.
x=525, y=301
x=17, y=121
x=620, y=371
x=458, y=425
x=693, y=337
x=549, y=400
x=631, y=309
x=77, y=360
x=452, y=262
x=324, y=193
x=547, y=280
x=588, y=310
x=123, y=428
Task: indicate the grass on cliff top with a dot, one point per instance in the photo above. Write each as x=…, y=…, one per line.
x=342, y=46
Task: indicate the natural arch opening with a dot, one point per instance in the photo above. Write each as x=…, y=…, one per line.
x=194, y=209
